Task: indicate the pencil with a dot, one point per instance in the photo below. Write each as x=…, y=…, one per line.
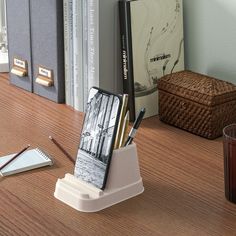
x=124, y=130
x=14, y=157
x=62, y=149
x=121, y=120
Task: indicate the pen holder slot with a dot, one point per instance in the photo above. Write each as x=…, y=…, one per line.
x=123, y=182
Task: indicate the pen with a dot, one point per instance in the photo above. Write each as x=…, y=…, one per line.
x=62, y=149
x=135, y=127
x=14, y=157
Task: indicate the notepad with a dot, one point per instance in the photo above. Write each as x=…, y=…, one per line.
x=28, y=160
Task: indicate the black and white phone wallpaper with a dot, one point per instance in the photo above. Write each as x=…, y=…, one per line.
x=97, y=137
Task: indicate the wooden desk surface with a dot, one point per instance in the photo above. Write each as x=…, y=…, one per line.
x=182, y=175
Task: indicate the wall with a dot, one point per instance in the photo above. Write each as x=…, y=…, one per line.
x=3, y=35
x=2, y=15
x=210, y=37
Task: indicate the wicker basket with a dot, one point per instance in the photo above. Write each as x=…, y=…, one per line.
x=197, y=103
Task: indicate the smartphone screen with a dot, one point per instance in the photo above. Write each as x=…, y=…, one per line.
x=97, y=137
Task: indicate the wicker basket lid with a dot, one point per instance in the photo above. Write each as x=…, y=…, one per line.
x=197, y=87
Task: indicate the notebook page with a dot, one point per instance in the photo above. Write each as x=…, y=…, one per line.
x=28, y=160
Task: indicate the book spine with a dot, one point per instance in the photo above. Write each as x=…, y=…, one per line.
x=60, y=69
x=85, y=50
x=65, y=19
x=67, y=51
x=75, y=52
x=93, y=57
x=126, y=55
x=80, y=59
x=70, y=46
x=77, y=55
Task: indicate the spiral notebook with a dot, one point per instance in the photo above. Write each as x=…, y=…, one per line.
x=28, y=160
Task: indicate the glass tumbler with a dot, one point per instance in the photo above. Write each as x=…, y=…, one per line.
x=229, y=147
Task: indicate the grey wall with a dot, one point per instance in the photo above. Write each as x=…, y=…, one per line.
x=210, y=37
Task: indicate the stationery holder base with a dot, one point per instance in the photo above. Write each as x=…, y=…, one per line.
x=124, y=181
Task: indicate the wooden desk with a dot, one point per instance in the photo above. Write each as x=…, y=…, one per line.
x=182, y=175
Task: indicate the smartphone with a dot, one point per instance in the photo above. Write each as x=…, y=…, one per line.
x=98, y=137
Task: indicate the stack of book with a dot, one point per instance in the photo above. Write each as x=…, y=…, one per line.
x=107, y=40
x=92, y=49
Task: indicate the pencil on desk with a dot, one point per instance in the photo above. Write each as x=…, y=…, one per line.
x=14, y=157
x=62, y=149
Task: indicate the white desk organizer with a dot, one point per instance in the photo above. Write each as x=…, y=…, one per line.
x=124, y=181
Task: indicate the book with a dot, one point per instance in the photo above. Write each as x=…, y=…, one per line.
x=103, y=45
x=91, y=38
x=70, y=51
x=126, y=55
x=28, y=160
x=78, y=55
x=75, y=48
x=152, y=46
x=67, y=20
x=85, y=51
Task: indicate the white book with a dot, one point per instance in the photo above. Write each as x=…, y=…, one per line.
x=104, y=64
x=85, y=50
x=71, y=49
x=93, y=43
x=78, y=55
x=68, y=49
x=157, y=43
x=28, y=160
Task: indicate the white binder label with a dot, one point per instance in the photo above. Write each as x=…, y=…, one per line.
x=45, y=72
x=19, y=63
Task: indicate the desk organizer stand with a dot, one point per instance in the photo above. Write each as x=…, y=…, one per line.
x=124, y=181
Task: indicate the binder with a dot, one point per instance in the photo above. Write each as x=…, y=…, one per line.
x=19, y=43
x=48, y=49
